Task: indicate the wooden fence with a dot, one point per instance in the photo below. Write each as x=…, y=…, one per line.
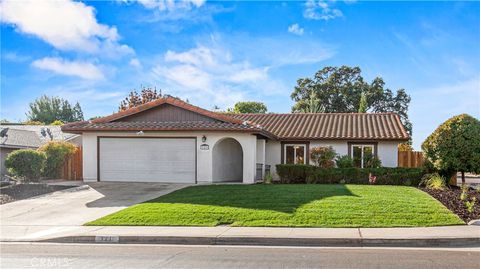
x=73, y=166
x=410, y=159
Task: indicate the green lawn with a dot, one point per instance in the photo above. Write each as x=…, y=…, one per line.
x=288, y=205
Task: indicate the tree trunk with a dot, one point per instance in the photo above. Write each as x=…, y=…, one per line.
x=463, y=178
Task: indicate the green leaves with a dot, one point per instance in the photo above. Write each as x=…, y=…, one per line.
x=249, y=107
x=50, y=109
x=26, y=164
x=455, y=145
x=341, y=89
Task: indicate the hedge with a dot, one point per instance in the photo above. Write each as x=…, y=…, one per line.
x=295, y=174
x=26, y=164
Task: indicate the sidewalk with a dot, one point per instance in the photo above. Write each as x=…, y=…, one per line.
x=448, y=236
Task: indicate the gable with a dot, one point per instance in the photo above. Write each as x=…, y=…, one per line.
x=166, y=113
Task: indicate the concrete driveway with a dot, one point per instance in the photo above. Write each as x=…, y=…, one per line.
x=58, y=211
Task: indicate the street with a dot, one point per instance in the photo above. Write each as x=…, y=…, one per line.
x=26, y=255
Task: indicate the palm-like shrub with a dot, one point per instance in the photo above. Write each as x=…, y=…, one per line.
x=344, y=161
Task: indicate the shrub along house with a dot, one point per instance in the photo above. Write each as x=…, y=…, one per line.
x=15, y=136
x=168, y=140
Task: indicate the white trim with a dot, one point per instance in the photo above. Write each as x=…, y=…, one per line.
x=295, y=152
x=362, y=146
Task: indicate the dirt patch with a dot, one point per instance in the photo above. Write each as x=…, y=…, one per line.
x=24, y=191
x=450, y=198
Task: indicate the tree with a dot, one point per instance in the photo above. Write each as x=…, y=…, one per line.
x=249, y=107
x=362, y=107
x=49, y=109
x=312, y=105
x=147, y=94
x=455, y=145
x=340, y=89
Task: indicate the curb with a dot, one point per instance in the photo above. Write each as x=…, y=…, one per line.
x=266, y=241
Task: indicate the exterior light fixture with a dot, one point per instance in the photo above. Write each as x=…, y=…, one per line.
x=204, y=139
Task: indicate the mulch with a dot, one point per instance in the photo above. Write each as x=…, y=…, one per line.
x=450, y=198
x=24, y=191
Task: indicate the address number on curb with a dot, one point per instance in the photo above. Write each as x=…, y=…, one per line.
x=106, y=239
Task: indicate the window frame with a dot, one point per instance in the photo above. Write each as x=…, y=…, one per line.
x=306, y=152
x=374, y=146
x=295, y=146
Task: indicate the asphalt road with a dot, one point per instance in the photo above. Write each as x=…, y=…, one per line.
x=164, y=256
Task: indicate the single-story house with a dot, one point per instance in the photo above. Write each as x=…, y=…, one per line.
x=168, y=140
x=15, y=136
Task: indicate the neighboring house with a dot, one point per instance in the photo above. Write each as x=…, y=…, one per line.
x=168, y=140
x=19, y=136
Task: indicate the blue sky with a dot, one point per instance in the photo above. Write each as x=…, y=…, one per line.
x=218, y=53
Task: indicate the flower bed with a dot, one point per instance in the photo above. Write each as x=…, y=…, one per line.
x=450, y=198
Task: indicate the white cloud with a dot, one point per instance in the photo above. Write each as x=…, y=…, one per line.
x=295, y=29
x=15, y=57
x=320, y=10
x=65, y=24
x=135, y=63
x=83, y=70
x=211, y=76
x=171, y=4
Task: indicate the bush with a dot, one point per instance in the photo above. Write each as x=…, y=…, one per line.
x=433, y=181
x=268, y=179
x=371, y=161
x=455, y=146
x=323, y=156
x=56, y=153
x=26, y=164
x=344, y=161
x=57, y=123
x=291, y=173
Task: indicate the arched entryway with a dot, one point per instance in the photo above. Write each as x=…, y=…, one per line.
x=227, y=161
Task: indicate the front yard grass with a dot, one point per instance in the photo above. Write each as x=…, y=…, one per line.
x=288, y=205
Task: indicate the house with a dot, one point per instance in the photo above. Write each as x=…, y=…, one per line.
x=168, y=140
x=15, y=136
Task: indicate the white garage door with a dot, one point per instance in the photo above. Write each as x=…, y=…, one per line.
x=147, y=159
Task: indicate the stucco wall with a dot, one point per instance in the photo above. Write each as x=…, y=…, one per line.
x=227, y=161
x=273, y=155
x=204, y=157
x=387, y=151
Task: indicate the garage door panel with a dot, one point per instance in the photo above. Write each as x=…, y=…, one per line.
x=147, y=159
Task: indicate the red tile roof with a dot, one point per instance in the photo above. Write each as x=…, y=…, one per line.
x=167, y=100
x=346, y=126
x=160, y=126
x=297, y=126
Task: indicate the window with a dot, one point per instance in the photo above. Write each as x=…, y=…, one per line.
x=294, y=154
x=360, y=152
